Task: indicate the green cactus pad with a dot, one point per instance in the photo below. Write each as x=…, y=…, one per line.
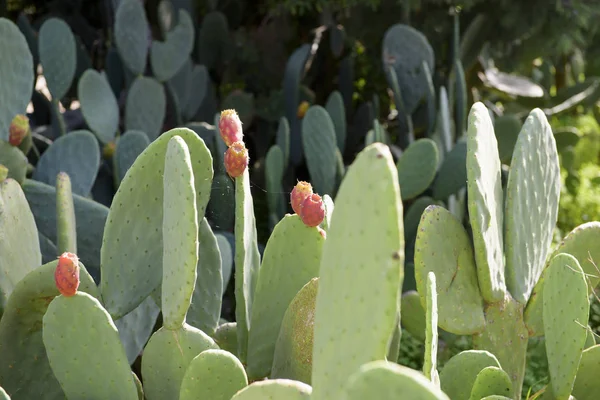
x=129, y=146
x=213, y=374
x=212, y=44
x=431, y=331
x=506, y=128
x=365, y=250
x=205, y=308
x=486, y=200
x=180, y=234
x=443, y=246
x=460, y=96
x=169, y=56
x=275, y=389
x=443, y=133
x=329, y=207
x=199, y=81
x=319, y=144
x=461, y=371
x=146, y=106
x=16, y=75
x=294, y=71
x=413, y=315
x=417, y=168
x=386, y=380
x=24, y=370
x=587, y=384
x=283, y=139
x=452, y=175
x=77, y=154
x=47, y=248
x=489, y=382
x=247, y=260
x=58, y=56
x=90, y=216
x=405, y=49
x=20, y=247
x=13, y=159
x=226, y=337
x=136, y=327
x=166, y=358
x=293, y=351
x=98, y=105
x=3, y=394
x=135, y=222
x=566, y=311
x=274, y=170
x=291, y=259
x=532, y=196
x=226, y=251
x=337, y=112
x=413, y=216
x=131, y=35
x=66, y=230
x=84, y=350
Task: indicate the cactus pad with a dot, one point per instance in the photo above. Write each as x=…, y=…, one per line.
x=565, y=310
x=431, y=332
x=275, y=389
x=169, y=56
x=66, y=227
x=84, y=350
x=413, y=315
x=532, y=196
x=58, y=56
x=13, y=159
x=145, y=108
x=77, y=154
x=136, y=327
x=337, y=112
x=587, y=385
x=484, y=184
x=131, y=35
x=368, y=203
x=461, y=371
x=489, y=382
x=417, y=167
x=443, y=246
x=385, y=380
x=129, y=146
x=213, y=374
x=291, y=259
x=226, y=337
x=98, y=105
x=452, y=175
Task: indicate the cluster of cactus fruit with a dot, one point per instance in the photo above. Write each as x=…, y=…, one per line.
x=319, y=315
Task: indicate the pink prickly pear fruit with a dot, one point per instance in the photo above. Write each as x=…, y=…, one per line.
x=300, y=192
x=18, y=130
x=312, y=212
x=66, y=274
x=236, y=159
x=230, y=127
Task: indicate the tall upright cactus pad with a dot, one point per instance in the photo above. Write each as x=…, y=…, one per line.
x=337, y=112
x=167, y=357
x=19, y=247
x=131, y=35
x=84, y=350
x=16, y=75
x=461, y=371
x=385, y=380
x=587, y=384
x=66, y=226
x=77, y=154
x=368, y=203
x=294, y=71
x=180, y=234
x=405, y=49
x=25, y=371
x=135, y=222
x=319, y=143
x=129, y=146
x=169, y=56
x=292, y=358
x=417, y=167
x=145, y=107
x=283, y=139
x=275, y=389
x=98, y=105
x=291, y=259
x=90, y=216
x=213, y=374
x=443, y=246
x=247, y=260
x=58, y=56
x=484, y=185
x=566, y=312
x=205, y=309
x=431, y=332
x=532, y=196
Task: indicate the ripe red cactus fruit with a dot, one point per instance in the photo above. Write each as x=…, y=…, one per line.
x=66, y=274
x=312, y=212
x=300, y=192
x=18, y=130
x=230, y=127
x=236, y=159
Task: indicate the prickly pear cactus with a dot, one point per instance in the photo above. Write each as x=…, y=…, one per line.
x=275, y=389
x=368, y=203
x=56, y=45
x=145, y=108
x=131, y=35
x=319, y=143
x=491, y=381
x=98, y=105
x=129, y=146
x=417, y=168
x=587, y=385
x=66, y=229
x=460, y=372
x=431, y=332
x=14, y=160
x=169, y=56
